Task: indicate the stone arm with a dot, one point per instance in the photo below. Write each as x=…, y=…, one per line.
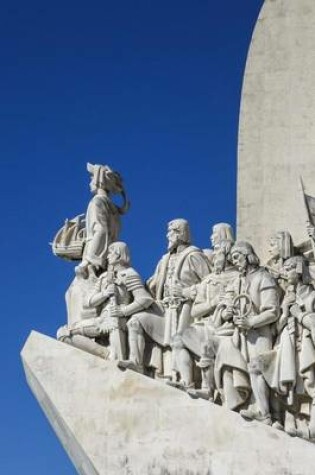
x=99, y=295
x=199, y=265
x=98, y=298
x=152, y=282
x=268, y=310
x=203, y=304
x=195, y=269
x=199, y=268
x=142, y=300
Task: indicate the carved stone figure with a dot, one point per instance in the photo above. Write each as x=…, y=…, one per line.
x=102, y=225
x=256, y=327
x=209, y=296
x=102, y=216
x=290, y=368
x=280, y=248
x=220, y=344
x=172, y=286
x=216, y=309
x=222, y=236
x=118, y=294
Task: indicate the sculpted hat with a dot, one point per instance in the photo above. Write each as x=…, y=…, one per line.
x=286, y=248
x=107, y=179
x=301, y=267
x=182, y=226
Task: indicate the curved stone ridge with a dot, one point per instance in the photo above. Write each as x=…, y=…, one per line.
x=277, y=123
x=113, y=422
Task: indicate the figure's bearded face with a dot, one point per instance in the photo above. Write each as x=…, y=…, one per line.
x=173, y=237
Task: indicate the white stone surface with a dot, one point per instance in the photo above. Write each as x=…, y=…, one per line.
x=277, y=123
x=113, y=422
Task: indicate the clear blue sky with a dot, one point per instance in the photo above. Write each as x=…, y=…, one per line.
x=150, y=87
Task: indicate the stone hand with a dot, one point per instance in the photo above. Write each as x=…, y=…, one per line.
x=289, y=299
x=116, y=311
x=227, y=313
x=109, y=291
x=242, y=322
x=63, y=332
x=176, y=290
x=81, y=270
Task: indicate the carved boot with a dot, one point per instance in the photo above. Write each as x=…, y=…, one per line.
x=136, y=345
x=261, y=396
x=311, y=426
x=207, y=374
x=289, y=424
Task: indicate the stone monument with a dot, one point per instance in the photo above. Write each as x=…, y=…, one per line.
x=277, y=123
x=209, y=366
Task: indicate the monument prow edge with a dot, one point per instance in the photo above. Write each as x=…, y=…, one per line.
x=117, y=422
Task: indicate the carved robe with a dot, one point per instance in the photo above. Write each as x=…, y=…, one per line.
x=233, y=354
x=188, y=268
x=291, y=365
x=102, y=228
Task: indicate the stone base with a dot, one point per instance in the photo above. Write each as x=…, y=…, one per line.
x=117, y=423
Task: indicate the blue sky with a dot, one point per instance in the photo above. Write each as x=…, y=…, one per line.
x=150, y=87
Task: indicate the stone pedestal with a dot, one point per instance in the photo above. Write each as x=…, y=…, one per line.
x=117, y=423
x=277, y=123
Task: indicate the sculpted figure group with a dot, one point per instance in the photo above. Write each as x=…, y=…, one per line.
x=215, y=323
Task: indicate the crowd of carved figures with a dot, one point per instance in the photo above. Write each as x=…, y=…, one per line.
x=216, y=323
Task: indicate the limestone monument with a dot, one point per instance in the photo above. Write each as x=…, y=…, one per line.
x=209, y=366
x=277, y=123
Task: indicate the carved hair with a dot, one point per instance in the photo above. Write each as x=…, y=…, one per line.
x=225, y=237
x=123, y=250
x=224, y=231
x=182, y=226
x=247, y=250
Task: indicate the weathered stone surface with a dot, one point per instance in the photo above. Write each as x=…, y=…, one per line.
x=277, y=123
x=114, y=422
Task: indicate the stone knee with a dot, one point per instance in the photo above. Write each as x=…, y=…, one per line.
x=64, y=334
x=208, y=350
x=134, y=326
x=177, y=342
x=255, y=366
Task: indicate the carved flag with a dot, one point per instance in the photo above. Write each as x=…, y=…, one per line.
x=310, y=204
